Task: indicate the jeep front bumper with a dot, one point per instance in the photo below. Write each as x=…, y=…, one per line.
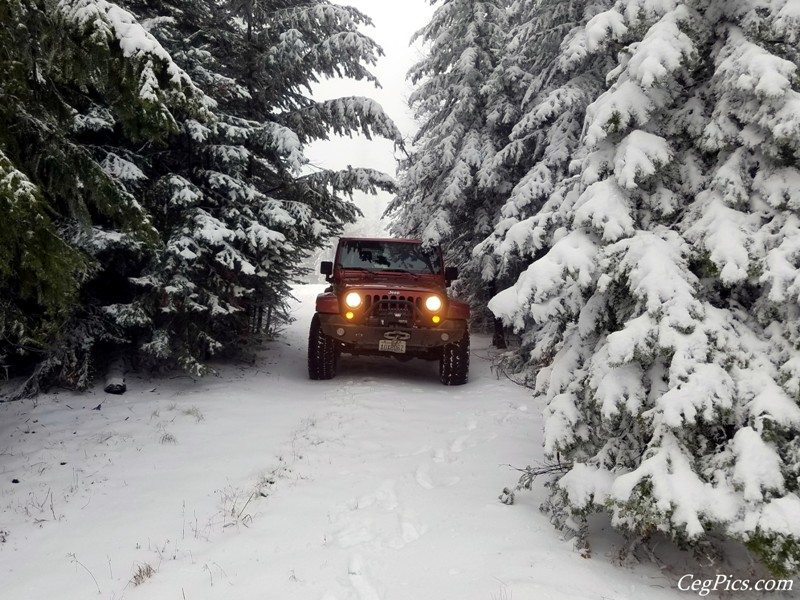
x=367, y=337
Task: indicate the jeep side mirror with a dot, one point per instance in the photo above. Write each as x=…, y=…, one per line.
x=326, y=267
x=450, y=274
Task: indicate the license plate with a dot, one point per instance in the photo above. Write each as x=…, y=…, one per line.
x=397, y=346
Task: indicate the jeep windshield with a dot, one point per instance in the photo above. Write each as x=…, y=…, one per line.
x=391, y=257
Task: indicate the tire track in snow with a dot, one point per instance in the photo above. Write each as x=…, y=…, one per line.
x=430, y=476
x=378, y=519
x=360, y=580
x=401, y=448
x=372, y=524
x=369, y=527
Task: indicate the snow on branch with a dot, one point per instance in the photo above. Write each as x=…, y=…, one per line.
x=725, y=233
x=636, y=11
x=663, y=50
x=15, y=187
x=639, y=156
x=607, y=208
x=122, y=169
x=757, y=468
x=603, y=27
x=625, y=105
x=321, y=39
x=322, y=15
x=571, y=262
x=344, y=116
x=747, y=67
x=351, y=179
x=783, y=273
x=438, y=228
x=683, y=499
x=107, y=25
x=96, y=119
x=657, y=273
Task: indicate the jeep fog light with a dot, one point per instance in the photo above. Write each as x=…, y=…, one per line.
x=433, y=303
x=353, y=300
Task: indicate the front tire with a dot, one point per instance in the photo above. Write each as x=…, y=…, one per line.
x=454, y=364
x=322, y=354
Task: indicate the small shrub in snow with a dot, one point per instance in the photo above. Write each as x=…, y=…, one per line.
x=142, y=573
x=195, y=412
x=234, y=502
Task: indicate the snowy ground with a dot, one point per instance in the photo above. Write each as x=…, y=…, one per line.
x=381, y=484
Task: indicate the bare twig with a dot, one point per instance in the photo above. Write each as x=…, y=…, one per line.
x=239, y=516
x=529, y=474
x=77, y=562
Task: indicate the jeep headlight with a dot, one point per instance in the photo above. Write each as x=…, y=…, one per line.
x=433, y=303
x=353, y=300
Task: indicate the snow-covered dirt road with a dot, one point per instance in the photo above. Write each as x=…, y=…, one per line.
x=381, y=484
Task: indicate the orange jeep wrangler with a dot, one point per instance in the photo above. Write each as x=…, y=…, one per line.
x=388, y=297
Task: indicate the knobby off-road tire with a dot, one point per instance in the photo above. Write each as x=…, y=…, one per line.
x=454, y=364
x=322, y=352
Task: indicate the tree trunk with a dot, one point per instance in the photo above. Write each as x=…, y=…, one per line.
x=115, y=378
x=499, y=334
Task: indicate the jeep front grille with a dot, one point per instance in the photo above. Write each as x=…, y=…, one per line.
x=391, y=302
x=392, y=307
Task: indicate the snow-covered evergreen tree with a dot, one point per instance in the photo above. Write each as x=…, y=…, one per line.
x=662, y=321
x=550, y=96
x=68, y=67
x=235, y=212
x=155, y=153
x=450, y=188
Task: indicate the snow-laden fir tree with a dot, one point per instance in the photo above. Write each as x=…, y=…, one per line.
x=234, y=210
x=162, y=217
x=67, y=67
x=663, y=319
x=450, y=188
x=551, y=95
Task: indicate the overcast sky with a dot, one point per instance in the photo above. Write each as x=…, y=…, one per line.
x=395, y=21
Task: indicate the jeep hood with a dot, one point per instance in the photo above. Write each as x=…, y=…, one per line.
x=394, y=282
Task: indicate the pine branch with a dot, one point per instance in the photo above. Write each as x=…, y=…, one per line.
x=529, y=474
